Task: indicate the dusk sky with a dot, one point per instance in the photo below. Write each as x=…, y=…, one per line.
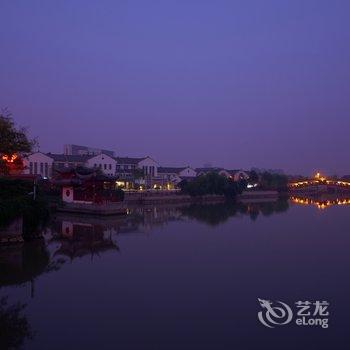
x=237, y=84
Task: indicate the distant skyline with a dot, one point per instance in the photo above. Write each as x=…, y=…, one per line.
x=236, y=84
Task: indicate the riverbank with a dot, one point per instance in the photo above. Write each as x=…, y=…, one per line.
x=119, y=208
x=158, y=197
x=14, y=232
x=168, y=197
x=152, y=197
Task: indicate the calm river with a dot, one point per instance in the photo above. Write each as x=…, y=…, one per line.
x=169, y=277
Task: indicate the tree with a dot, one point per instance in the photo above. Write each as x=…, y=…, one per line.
x=14, y=143
x=212, y=183
x=253, y=176
x=270, y=181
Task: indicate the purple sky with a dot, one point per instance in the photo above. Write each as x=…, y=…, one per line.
x=232, y=83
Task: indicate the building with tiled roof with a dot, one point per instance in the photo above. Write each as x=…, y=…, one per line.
x=128, y=160
x=174, y=175
x=171, y=170
x=207, y=170
x=68, y=158
x=236, y=175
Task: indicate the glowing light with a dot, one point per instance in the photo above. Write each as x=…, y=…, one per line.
x=321, y=204
x=9, y=158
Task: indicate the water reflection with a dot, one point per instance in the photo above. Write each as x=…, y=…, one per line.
x=14, y=326
x=176, y=279
x=19, y=265
x=68, y=237
x=72, y=238
x=216, y=214
x=81, y=236
x=23, y=263
x=322, y=201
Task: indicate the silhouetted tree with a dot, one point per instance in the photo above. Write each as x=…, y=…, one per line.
x=14, y=142
x=253, y=177
x=212, y=183
x=270, y=181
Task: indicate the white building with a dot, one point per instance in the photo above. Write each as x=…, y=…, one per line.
x=44, y=164
x=127, y=167
x=149, y=167
x=107, y=164
x=38, y=164
x=128, y=170
x=238, y=175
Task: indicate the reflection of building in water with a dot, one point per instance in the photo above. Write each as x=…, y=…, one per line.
x=321, y=202
x=77, y=238
x=87, y=229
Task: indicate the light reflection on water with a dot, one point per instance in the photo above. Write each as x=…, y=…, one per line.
x=174, y=277
x=321, y=202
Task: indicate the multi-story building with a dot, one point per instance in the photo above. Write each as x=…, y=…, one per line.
x=144, y=171
x=106, y=163
x=76, y=150
x=38, y=164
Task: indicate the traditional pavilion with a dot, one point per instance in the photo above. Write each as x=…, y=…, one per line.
x=87, y=186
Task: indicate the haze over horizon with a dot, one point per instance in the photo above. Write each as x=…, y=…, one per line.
x=237, y=84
